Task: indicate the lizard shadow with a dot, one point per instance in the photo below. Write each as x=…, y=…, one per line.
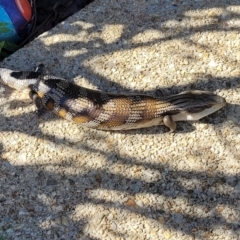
x=47, y=116
x=182, y=127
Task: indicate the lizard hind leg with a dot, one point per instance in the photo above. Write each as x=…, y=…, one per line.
x=168, y=122
x=38, y=103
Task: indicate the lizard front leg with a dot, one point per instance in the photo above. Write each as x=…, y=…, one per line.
x=168, y=122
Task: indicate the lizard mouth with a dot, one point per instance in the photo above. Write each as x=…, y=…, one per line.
x=199, y=109
x=206, y=107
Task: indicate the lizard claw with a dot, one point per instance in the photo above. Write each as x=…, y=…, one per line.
x=40, y=68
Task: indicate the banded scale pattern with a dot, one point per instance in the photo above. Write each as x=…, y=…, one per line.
x=109, y=111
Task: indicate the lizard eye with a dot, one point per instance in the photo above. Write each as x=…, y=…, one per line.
x=31, y=93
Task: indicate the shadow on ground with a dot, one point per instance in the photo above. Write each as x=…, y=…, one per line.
x=57, y=196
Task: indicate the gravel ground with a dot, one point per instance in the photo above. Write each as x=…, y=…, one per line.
x=61, y=181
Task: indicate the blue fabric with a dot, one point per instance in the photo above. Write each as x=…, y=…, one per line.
x=15, y=15
x=7, y=29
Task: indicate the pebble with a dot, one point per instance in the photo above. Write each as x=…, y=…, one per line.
x=167, y=234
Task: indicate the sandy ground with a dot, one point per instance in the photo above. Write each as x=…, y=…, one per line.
x=61, y=181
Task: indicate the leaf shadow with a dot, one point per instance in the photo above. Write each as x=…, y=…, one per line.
x=54, y=195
